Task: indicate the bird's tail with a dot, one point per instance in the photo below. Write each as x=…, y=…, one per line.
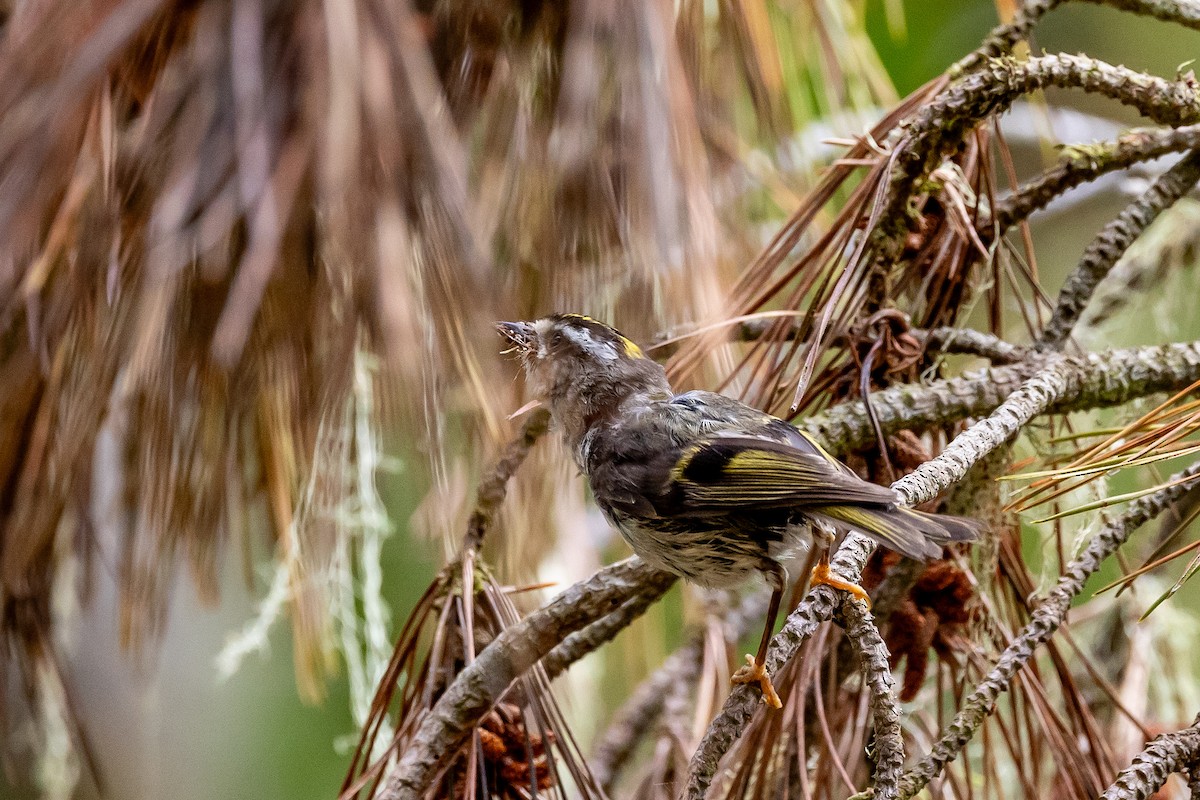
x=915, y=534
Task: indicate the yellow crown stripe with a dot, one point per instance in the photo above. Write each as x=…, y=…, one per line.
x=631, y=349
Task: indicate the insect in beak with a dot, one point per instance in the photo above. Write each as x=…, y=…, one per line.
x=521, y=334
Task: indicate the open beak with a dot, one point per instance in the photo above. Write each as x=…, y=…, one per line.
x=521, y=334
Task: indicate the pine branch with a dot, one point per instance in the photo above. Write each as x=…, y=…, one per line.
x=1083, y=163
x=1112, y=242
x=1181, y=12
x=1169, y=753
x=1110, y=378
x=885, y=710
x=495, y=486
x=967, y=341
x=1004, y=37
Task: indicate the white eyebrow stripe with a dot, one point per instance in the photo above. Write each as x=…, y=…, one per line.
x=542, y=328
x=583, y=337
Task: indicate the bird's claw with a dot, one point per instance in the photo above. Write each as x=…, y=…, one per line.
x=822, y=574
x=755, y=672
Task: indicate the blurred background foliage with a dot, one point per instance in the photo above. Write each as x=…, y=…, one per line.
x=161, y=722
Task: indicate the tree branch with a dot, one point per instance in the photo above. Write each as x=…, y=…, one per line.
x=1046, y=619
x=515, y=650
x=1112, y=242
x=1004, y=37
x=1059, y=378
x=885, y=711
x=996, y=84
x=968, y=341
x=1082, y=163
x=1181, y=12
x=602, y=631
x=1171, y=752
x=493, y=489
x=1109, y=378
x=943, y=124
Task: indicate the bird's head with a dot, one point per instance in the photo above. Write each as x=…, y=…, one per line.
x=583, y=369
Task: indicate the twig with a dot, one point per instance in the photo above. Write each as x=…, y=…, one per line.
x=1002, y=38
x=944, y=339
x=493, y=489
x=885, y=711
x=583, y=642
x=1168, y=753
x=968, y=341
x=515, y=650
x=1182, y=12
x=1082, y=163
x=1046, y=619
x=1112, y=242
x=636, y=716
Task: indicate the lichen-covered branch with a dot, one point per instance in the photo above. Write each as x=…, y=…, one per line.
x=885, y=710
x=515, y=650
x=1167, y=754
x=602, y=631
x=1112, y=242
x=997, y=83
x=990, y=88
x=1109, y=378
x=1058, y=378
x=968, y=341
x=1083, y=163
x=1046, y=619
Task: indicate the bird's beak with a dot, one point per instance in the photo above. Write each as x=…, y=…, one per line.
x=521, y=334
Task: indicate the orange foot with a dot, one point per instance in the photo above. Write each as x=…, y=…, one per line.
x=822, y=574
x=755, y=672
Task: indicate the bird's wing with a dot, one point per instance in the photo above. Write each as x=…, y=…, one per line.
x=725, y=473
x=732, y=418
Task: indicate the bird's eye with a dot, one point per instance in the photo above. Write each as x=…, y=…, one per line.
x=556, y=338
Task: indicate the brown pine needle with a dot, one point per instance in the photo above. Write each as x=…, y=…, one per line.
x=1142, y=570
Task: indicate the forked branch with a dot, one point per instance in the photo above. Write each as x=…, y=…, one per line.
x=477, y=688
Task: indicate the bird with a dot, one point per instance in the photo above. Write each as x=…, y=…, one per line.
x=700, y=484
